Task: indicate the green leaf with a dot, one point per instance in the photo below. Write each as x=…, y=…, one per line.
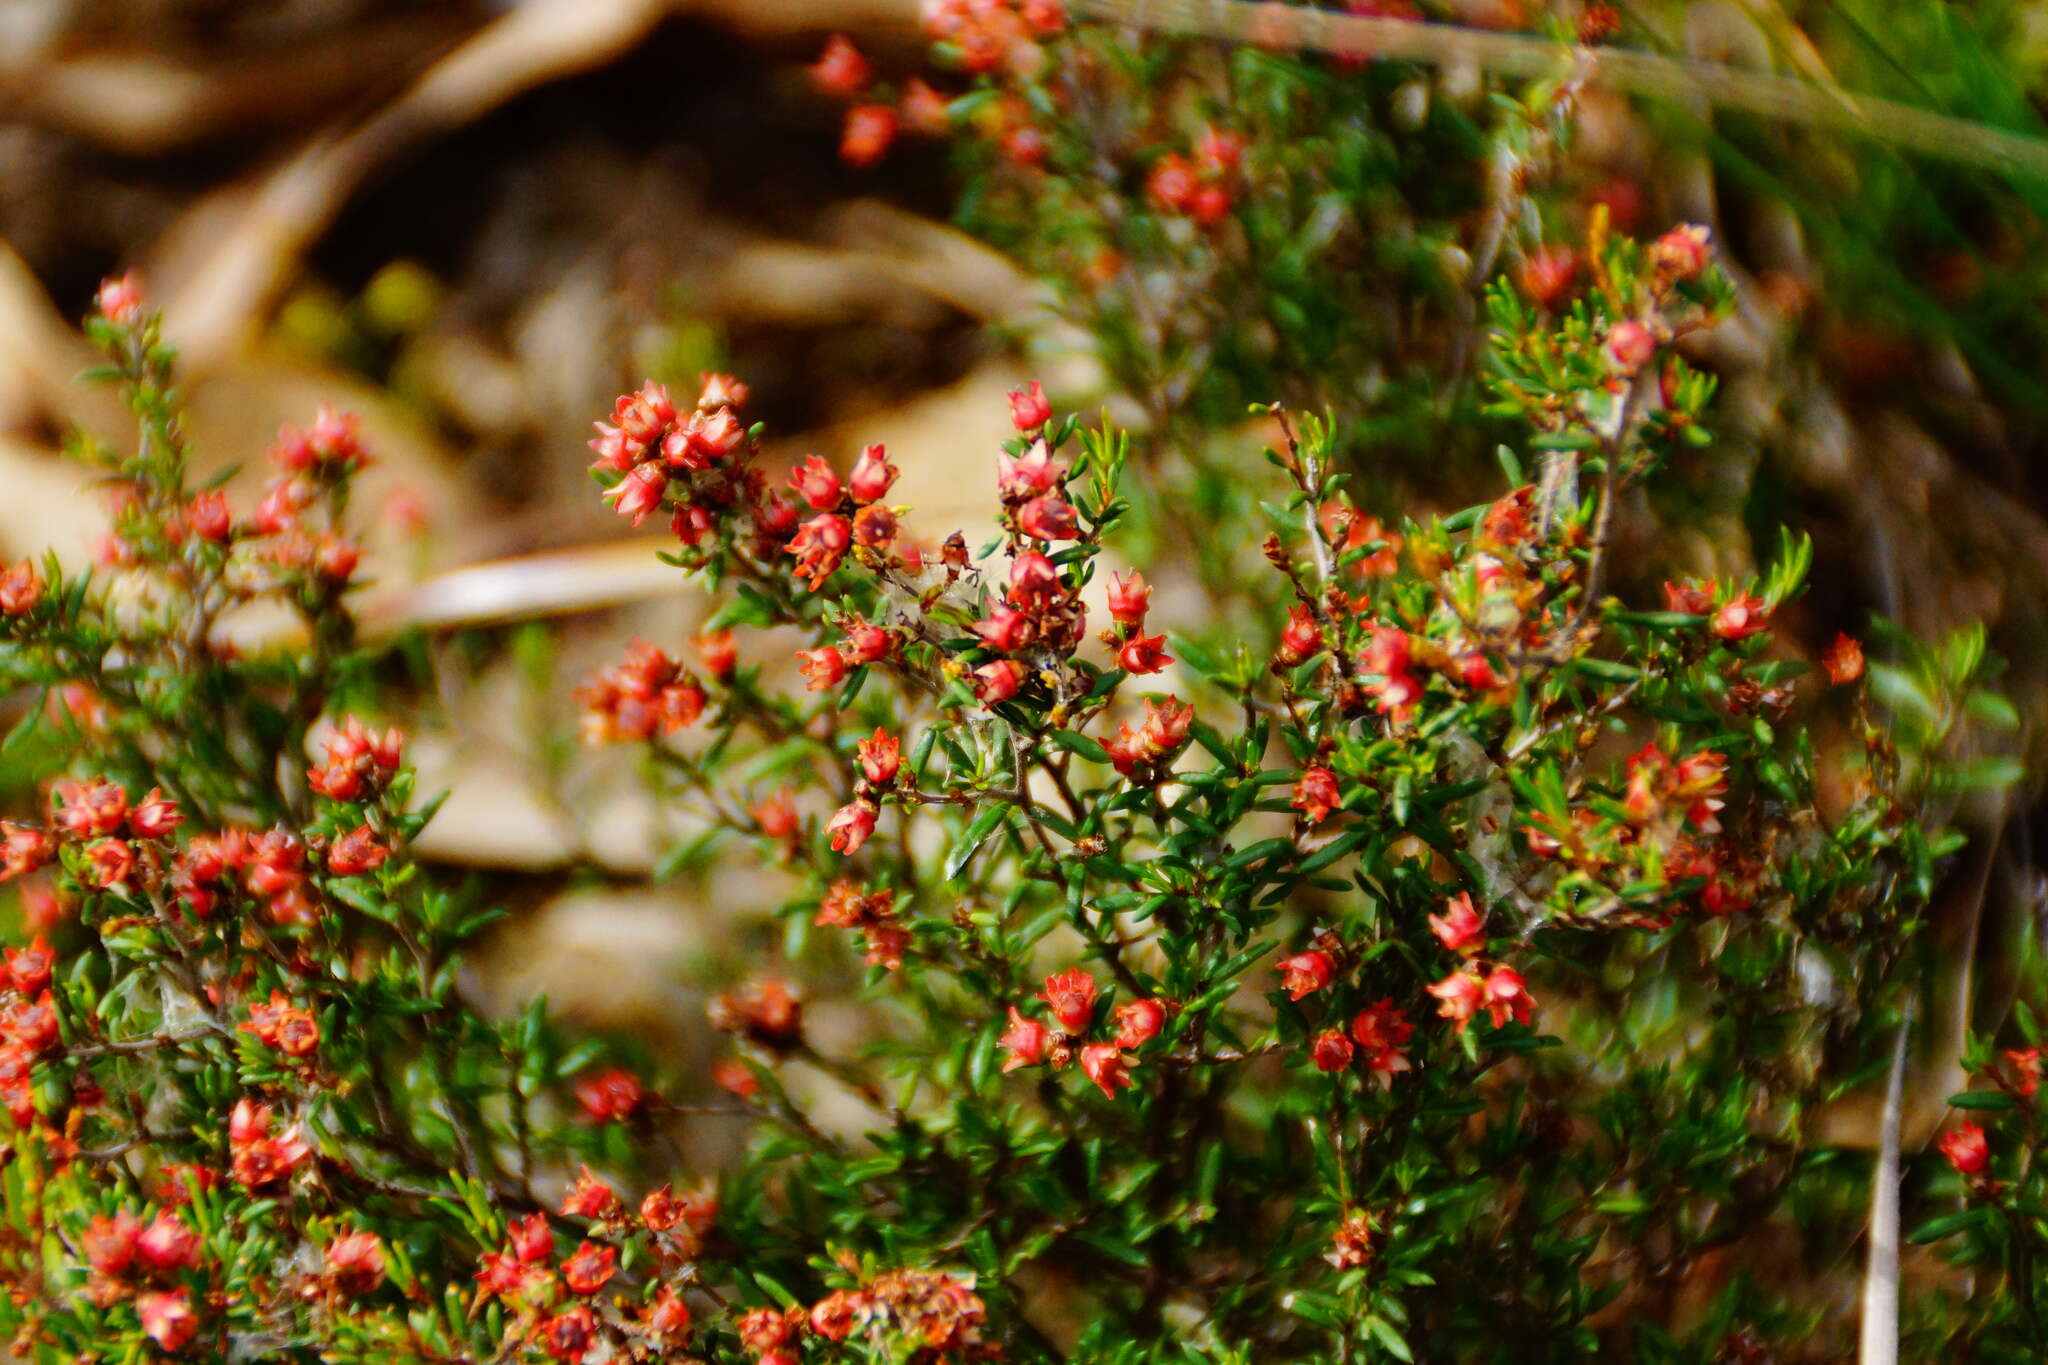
x=977, y=833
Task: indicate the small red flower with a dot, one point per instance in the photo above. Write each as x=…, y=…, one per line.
x=1142, y=654
x=841, y=71
x=1507, y=997
x=870, y=128
x=356, y=1261
x=763, y=1329
x=1966, y=1148
x=1138, y=1022
x=1843, y=660
x=1681, y=253
x=610, y=1095
x=1459, y=928
x=826, y=667
x=20, y=589
x=167, y=1318
x=356, y=852
x=109, y=1243
x=532, y=1239
x=872, y=475
x=851, y=825
x=1033, y=579
x=120, y=298
x=1631, y=345
x=668, y=1315
x=816, y=483
x=639, y=493
x=1740, y=617
x=1330, y=1050
x=1306, y=973
x=1461, y=993
x=568, y=1336
x=1023, y=477
x=1316, y=795
x=1004, y=628
x=998, y=681
x=881, y=756
x=155, y=815
x=1070, y=995
x=820, y=544
x=1048, y=517
x=1301, y=640
x=1129, y=599
x=1107, y=1067
x=590, y=1197
x=1029, y=408
x=718, y=651
x=2027, y=1069
x=1025, y=1040
x=168, y=1243
x=1546, y=274
x=30, y=968
x=589, y=1268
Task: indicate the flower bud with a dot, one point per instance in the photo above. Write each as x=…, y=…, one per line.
x=872, y=475
x=1306, y=973
x=1129, y=599
x=1029, y=409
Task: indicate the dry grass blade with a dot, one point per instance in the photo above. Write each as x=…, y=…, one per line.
x=1782, y=98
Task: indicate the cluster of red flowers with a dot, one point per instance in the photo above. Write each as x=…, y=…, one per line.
x=281, y=1025
x=1499, y=990
x=923, y=1308
x=649, y=444
x=555, y=1302
x=1734, y=617
x=1377, y=1033
x=130, y=1258
x=1141, y=754
x=258, y=1156
x=28, y=1024
x=848, y=906
x=1198, y=187
x=646, y=695
x=1070, y=997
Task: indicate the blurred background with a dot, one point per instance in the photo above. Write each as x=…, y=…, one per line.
x=475, y=223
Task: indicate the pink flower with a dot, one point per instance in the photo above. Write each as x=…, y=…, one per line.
x=1631, y=345
x=1316, y=795
x=1507, y=997
x=356, y=1261
x=1048, y=517
x=1740, y=617
x=532, y=1240
x=1143, y=654
x=167, y=1318
x=841, y=71
x=1035, y=472
x=155, y=815
x=1029, y=409
x=880, y=757
x=120, y=298
x=1107, y=1067
x=1129, y=599
x=850, y=827
x=639, y=492
x=1459, y=928
x=109, y=1243
x=872, y=475
x=1306, y=973
x=1004, y=628
x=1138, y=1022
x=1546, y=274
x=1966, y=1148
x=1025, y=1040
x=1330, y=1050
x=168, y=1243
x=1070, y=995
x=816, y=483
x=1461, y=993
x=998, y=681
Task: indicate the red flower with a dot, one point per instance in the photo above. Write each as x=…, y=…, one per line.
x=763, y=1329
x=1740, y=617
x=1330, y=1050
x=120, y=298
x=816, y=483
x=1631, y=345
x=1033, y=579
x=1166, y=724
x=532, y=1240
x=1306, y=973
x=1129, y=599
x=718, y=651
x=1680, y=253
x=841, y=71
x=1965, y=1147
x=155, y=816
x=1070, y=995
x=638, y=493
x=1546, y=274
x=2027, y=1067
x=1025, y=1040
x=880, y=757
x=567, y=1336
x=168, y=1243
x=1172, y=184
x=1507, y=997
x=20, y=589
x=870, y=128
x=32, y=1024
x=1693, y=599
x=1381, y=1030
x=1004, y=628
x=256, y=1157
x=1048, y=517
x=851, y=825
x=110, y=862
x=1461, y=993
x=1316, y=795
x=924, y=109
x=826, y=667
x=1301, y=640
x=1459, y=928
x=872, y=475
x=1842, y=662
x=356, y=1261
x=1107, y=1067
x=30, y=968
x=819, y=545
x=668, y=1315
x=1138, y=1022
x=167, y=1318
x=356, y=852
x=589, y=1268
x=1143, y=654
x=763, y=1010
x=609, y=1095
x=22, y=850
x=998, y=681
x=1029, y=409
x=1020, y=478
x=109, y=1243
x=590, y=1197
